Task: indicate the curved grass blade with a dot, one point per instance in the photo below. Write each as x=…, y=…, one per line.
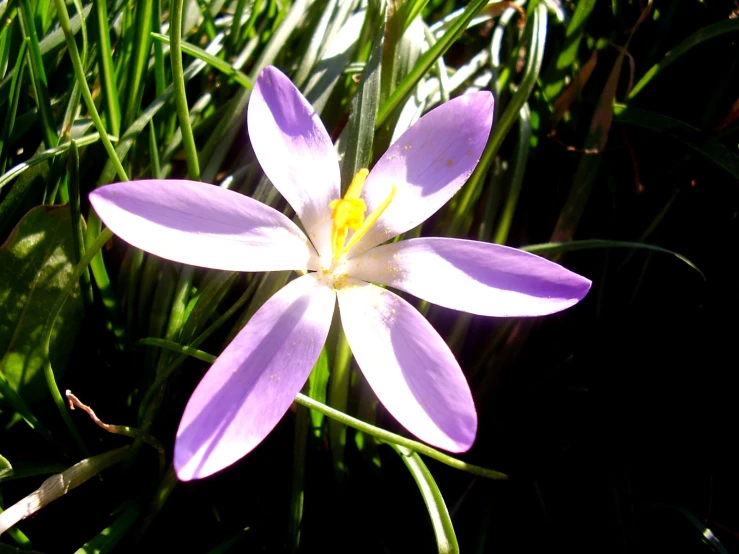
x=213, y=61
x=79, y=72
x=58, y=485
x=380, y=434
x=180, y=95
x=594, y=244
x=46, y=155
x=535, y=39
x=702, y=35
x=706, y=145
x=46, y=333
x=427, y=60
x=446, y=539
x=38, y=74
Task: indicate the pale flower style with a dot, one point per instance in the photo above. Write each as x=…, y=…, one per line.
x=408, y=365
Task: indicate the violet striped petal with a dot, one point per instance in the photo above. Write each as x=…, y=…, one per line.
x=471, y=276
x=203, y=225
x=408, y=365
x=295, y=152
x=253, y=382
x=428, y=164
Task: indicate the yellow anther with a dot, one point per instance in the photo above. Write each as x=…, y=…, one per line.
x=369, y=221
x=355, y=187
x=348, y=213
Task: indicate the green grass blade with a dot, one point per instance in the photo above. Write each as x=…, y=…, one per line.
x=427, y=59
x=180, y=96
x=138, y=61
x=520, y=159
x=552, y=248
x=360, y=129
x=108, y=85
x=17, y=170
x=702, y=35
x=702, y=143
x=79, y=71
x=213, y=61
x=12, y=110
x=38, y=74
x=554, y=76
x=446, y=539
x=535, y=39
x=380, y=434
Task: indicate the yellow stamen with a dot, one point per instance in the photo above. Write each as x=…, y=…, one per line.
x=348, y=213
x=369, y=221
x=355, y=187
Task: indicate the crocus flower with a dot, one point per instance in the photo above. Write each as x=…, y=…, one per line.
x=340, y=248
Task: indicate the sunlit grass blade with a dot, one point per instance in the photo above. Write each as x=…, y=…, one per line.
x=139, y=60
x=427, y=60
x=446, y=539
x=180, y=96
x=213, y=61
x=127, y=140
x=112, y=106
x=315, y=44
x=520, y=160
x=554, y=76
x=38, y=74
x=58, y=485
x=12, y=109
x=380, y=434
x=553, y=248
x=360, y=130
x=79, y=71
x=218, y=144
x=44, y=156
x=535, y=39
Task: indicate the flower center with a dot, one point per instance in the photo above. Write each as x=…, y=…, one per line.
x=348, y=214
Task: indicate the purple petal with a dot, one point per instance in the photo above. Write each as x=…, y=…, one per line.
x=428, y=164
x=295, y=152
x=252, y=384
x=408, y=365
x=204, y=225
x=471, y=276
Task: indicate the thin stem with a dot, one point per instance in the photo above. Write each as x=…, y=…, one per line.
x=180, y=97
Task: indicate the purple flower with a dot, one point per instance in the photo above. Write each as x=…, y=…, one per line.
x=410, y=368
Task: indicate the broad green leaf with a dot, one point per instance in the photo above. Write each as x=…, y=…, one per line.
x=35, y=265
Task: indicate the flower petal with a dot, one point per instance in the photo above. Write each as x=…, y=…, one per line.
x=295, y=152
x=204, y=225
x=472, y=276
x=408, y=365
x=252, y=384
x=428, y=164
